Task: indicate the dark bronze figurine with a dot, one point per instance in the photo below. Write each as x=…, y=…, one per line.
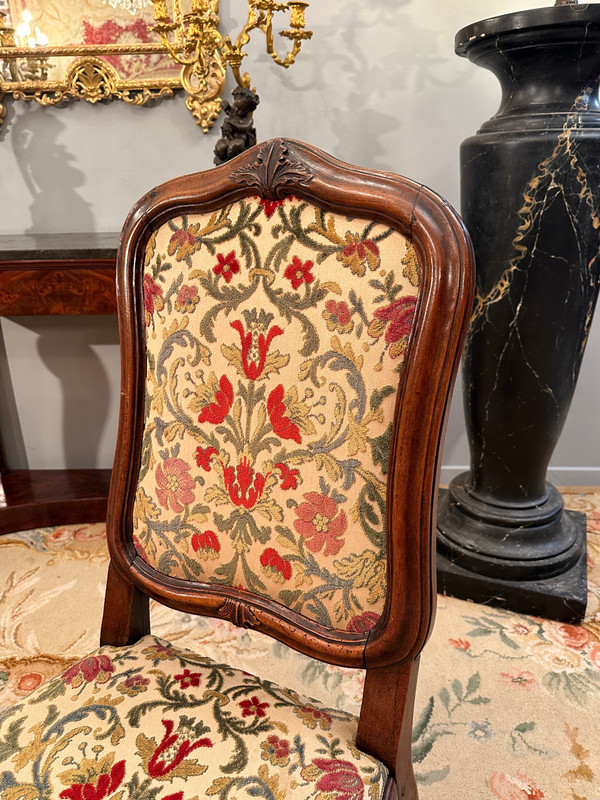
x=237, y=132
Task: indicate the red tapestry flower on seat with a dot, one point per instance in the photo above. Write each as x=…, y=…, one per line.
x=165, y=758
x=253, y=707
x=318, y=523
x=93, y=668
x=338, y=779
x=396, y=319
x=359, y=252
x=282, y=425
x=216, y=411
x=245, y=487
x=106, y=785
x=174, y=484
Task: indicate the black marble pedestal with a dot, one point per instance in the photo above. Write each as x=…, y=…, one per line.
x=530, y=185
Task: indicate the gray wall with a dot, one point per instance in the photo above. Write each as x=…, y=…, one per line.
x=378, y=85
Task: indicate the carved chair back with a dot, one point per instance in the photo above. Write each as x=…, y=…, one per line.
x=291, y=328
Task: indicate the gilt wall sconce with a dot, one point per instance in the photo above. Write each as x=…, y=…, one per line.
x=133, y=50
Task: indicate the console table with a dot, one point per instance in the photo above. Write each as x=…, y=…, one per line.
x=60, y=274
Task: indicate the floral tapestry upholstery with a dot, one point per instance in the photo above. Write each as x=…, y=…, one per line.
x=276, y=333
x=152, y=722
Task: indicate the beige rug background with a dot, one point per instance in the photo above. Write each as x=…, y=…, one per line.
x=508, y=706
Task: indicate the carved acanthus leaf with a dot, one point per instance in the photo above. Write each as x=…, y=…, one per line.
x=238, y=614
x=273, y=173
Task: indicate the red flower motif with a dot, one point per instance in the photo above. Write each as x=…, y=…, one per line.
x=282, y=425
x=339, y=779
x=187, y=679
x=157, y=767
x=203, y=455
x=337, y=316
x=216, y=411
x=514, y=787
x=174, y=484
x=107, y=784
x=289, y=477
x=574, y=637
x=363, y=622
x=270, y=206
x=184, y=241
x=249, y=487
x=207, y=542
x=153, y=298
x=318, y=523
x=253, y=707
x=254, y=348
x=522, y=680
x=298, y=273
x=273, y=562
x=187, y=298
x=461, y=644
x=400, y=315
x=594, y=655
x=357, y=252
x=226, y=266
x=92, y=668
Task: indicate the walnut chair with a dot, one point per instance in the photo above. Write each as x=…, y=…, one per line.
x=290, y=333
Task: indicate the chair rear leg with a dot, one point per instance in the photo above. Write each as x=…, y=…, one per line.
x=126, y=612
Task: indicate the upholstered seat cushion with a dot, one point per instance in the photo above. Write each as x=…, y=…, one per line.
x=154, y=722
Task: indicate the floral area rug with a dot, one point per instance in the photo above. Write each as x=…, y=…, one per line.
x=508, y=706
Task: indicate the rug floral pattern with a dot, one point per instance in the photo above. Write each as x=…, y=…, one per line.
x=507, y=704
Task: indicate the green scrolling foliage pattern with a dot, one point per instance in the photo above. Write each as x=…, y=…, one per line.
x=276, y=332
x=152, y=722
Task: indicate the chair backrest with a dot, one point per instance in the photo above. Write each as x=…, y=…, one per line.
x=291, y=328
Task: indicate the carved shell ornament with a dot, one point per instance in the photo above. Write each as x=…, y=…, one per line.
x=273, y=173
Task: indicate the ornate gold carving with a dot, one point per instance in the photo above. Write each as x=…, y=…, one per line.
x=89, y=77
x=273, y=173
x=193, y=40
x=238, y=614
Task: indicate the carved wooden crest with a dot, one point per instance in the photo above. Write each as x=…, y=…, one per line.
x=238, y=614
x=273, y=173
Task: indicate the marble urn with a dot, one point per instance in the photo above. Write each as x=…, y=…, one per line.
x=530, y=194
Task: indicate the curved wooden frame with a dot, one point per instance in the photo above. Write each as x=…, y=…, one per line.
x=389, y=652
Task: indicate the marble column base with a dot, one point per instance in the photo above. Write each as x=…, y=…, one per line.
x=528, y=580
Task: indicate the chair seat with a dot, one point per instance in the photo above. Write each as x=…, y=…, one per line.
x=155, y=722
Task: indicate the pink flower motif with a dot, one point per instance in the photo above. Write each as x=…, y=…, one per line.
x=514, y=787
x=93, y=668
x=226, y=266
x=339, y=779
x=399, y=315
x=107, y=784
x=253, y=707
x=187, y=299
x=460, y=644
x=153, y=298
x=594, y=655
x=575, y=637
x=298, y=272
x=337, y=316
x=362, y=623
x=174, y=484
x=318, y=524
x=274, y=563
x=522, y=680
